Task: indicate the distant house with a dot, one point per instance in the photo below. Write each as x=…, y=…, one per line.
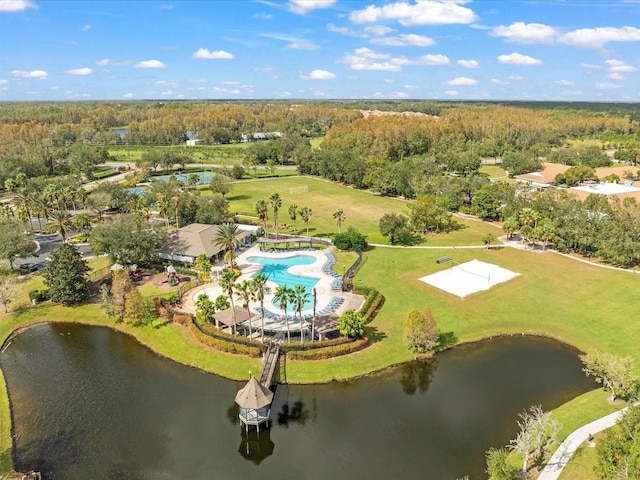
x=186, y=243
x=253, y=137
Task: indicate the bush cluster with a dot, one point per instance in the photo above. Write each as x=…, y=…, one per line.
x=39, y=295
x=372, y=304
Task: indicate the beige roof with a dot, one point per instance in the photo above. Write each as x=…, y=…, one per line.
x=226, y=316
x=546, y=175
x=619, y=171
x=254, y=395
x=195, y=239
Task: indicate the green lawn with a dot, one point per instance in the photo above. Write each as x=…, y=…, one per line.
x=362, y=209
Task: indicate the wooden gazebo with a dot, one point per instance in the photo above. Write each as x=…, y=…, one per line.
x=255, y=403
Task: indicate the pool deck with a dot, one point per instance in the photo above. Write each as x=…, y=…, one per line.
x=331, y=301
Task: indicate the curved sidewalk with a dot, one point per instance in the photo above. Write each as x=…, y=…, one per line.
x=565, y=451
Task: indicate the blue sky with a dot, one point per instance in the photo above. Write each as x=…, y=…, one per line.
x=575, y=50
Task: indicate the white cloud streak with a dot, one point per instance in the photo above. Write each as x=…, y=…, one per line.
x=302, y=7
x=79, y=71
x=318, y=75
x=150, y=64
x=16, y=5
x=41, y=74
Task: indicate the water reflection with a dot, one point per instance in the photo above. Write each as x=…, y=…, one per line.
x=417, y=375
x=256, y=445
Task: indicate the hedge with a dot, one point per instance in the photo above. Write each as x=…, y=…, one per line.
x=225, y=344
x=330, y=351
x=372, y=304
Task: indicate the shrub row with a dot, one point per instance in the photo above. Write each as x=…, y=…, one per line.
x=330, y=351
x=372, y=304
x=39, y=295
x=229, y=345
x=297, y=346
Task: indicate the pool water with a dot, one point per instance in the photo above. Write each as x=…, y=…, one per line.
x=204, y=177
x=277, y=271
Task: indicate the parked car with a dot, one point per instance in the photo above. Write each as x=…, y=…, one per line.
x=31, y=267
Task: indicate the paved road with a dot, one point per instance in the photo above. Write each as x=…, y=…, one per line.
x=565, y=451
x=47, y=244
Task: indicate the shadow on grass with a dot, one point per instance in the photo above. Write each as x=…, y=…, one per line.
x=375, y=335
x=447, y=340
x=238, y=197
x=157, y=326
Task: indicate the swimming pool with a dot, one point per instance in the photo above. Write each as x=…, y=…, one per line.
x=277, y=271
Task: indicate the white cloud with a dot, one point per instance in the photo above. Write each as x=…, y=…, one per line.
x=343, y=30
x=318, y=75
x=16, y=5
x=231, y=82
x=451, y=93
x=520, y=32
x=32, y=74
x=410, y=87
x=86, y=28
x=367, y=59
x=468, y=63
x=590, y=66
x=389, y=80
x=167, y=83
x=432, y=60
x=79, y=71
x=302, y=7
x=263, y=16
x=295, y=42
x=108, y=61
x=215, y=55
x=607, y=86
x=303, y=46
x=518, y=59
x=404, y=41
x=616, y=76
x=462, y=81
x=128, y=95
x=497, y=81
x=379, y=30
x=564, y=83
x=150, y=64
x=598, y=37
x=618, y=66
x=423, y=12
x=3, y=82
x=399, y=95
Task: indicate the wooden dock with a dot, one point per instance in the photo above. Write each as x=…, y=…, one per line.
x=269, y=364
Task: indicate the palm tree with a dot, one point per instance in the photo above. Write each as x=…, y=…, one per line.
x=59, y=222
x=293, y=214
x=226, y=239
x=176, y=202
x=305, y=214
x=245, y=290
x=276, y=203
x=313, y=321
x=163, y=206
x=82, y=221
x=339, y=217
x=227, y=282
x=52, y=194
x=282, y=295
x=300, y=296
x=259, y=289
x=262, y=210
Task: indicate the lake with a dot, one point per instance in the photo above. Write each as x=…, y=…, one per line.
x=89, y=402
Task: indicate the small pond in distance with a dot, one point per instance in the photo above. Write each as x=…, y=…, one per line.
x=89, y=402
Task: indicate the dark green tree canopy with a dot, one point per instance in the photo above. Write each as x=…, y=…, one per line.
x=65, y=275
x=127, y=239
x=13, y=241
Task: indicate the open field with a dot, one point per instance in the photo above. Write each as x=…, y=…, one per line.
x=232, y=154
x=362, y=209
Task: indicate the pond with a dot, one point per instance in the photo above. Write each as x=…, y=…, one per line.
x=89, y=402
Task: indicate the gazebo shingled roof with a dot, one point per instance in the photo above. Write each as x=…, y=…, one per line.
x=254, y=395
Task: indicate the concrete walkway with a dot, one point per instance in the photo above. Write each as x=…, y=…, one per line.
x=565, y=451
